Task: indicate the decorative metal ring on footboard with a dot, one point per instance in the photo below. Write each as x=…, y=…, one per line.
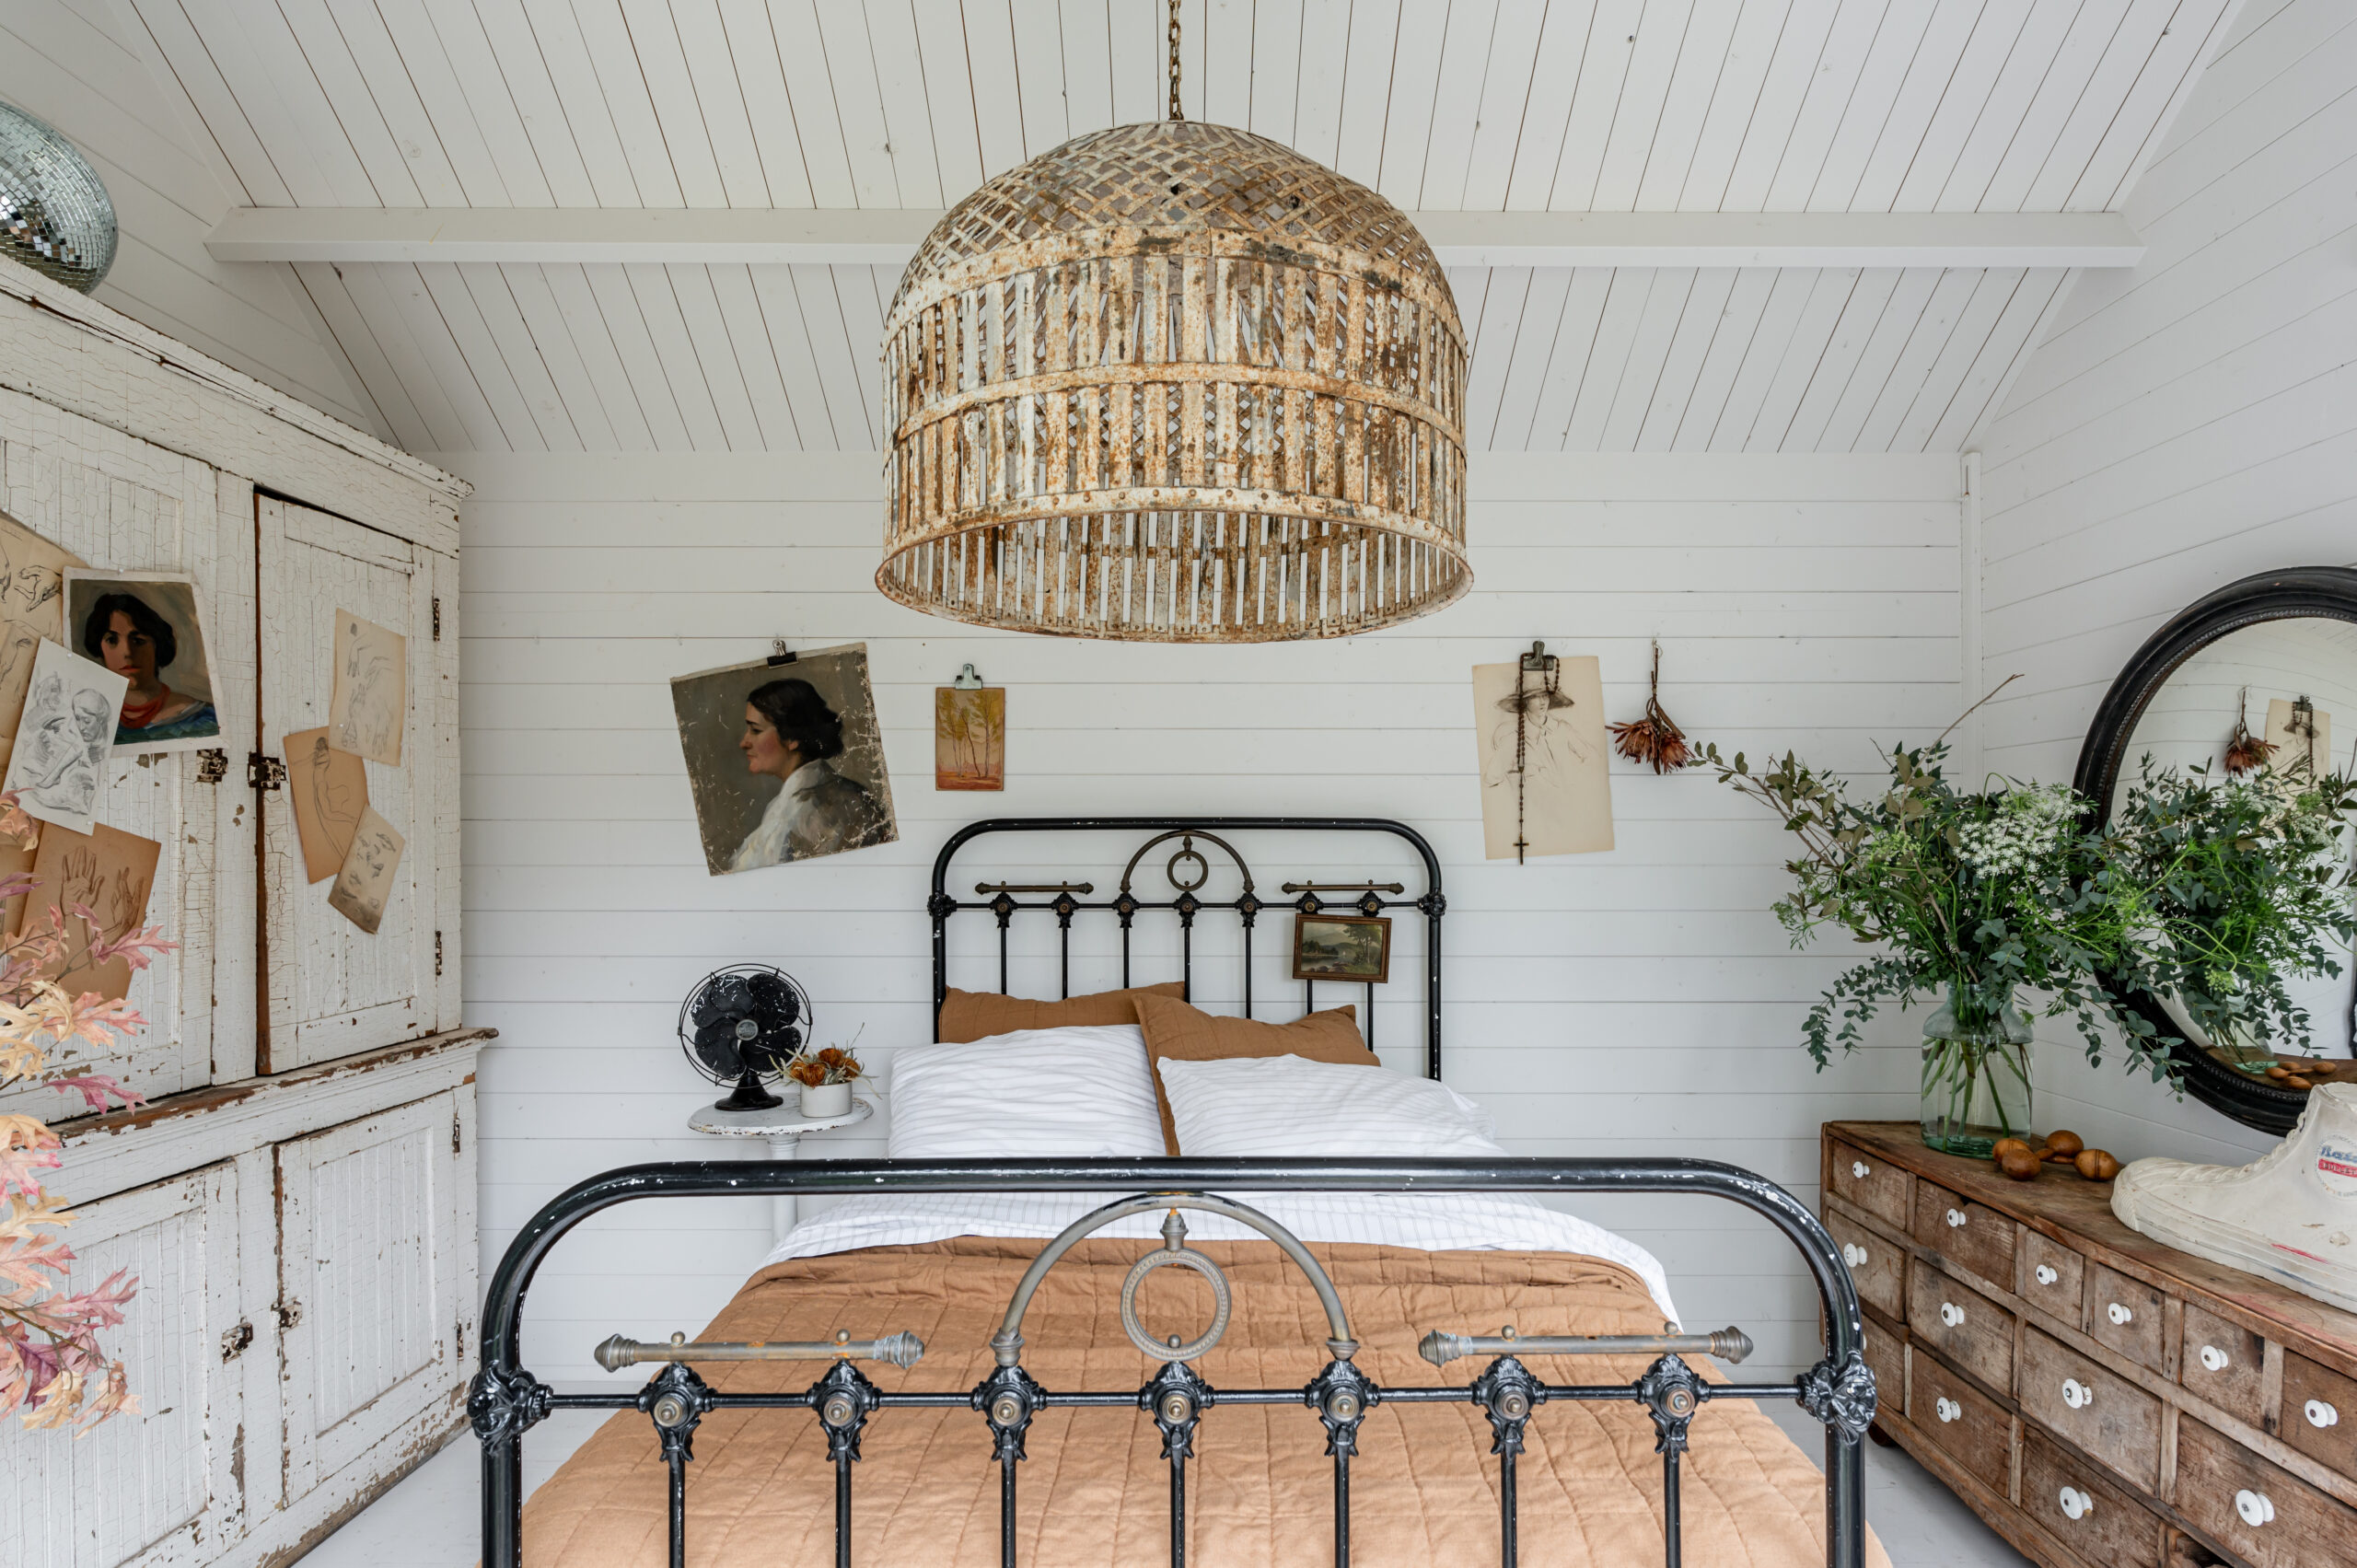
x=506, y=1400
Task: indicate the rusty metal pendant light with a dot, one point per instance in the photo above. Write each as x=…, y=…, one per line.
x=1175, y=383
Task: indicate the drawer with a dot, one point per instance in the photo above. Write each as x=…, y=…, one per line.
x=2321, y=1413
x=1886, y=1359
x=2221, y=1361
x=2266, y=1517
x=2081, y=1508
x=1878, y=1267
x=2125, y=1315
x=1968, y=1330
x=1973, y=1237
x=2053, y=1277
x=1873, y=1186
x=2104, y=1415
x=1974, y=1429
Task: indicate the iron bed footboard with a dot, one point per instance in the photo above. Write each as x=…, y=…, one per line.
x=506, y=1400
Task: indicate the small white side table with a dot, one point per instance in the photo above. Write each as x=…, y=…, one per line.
x=781, y=1129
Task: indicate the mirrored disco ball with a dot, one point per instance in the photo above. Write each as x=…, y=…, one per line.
x=55, y=217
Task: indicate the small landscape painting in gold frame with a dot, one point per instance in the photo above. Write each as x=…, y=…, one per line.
x=1341, y=946
x=969, y=738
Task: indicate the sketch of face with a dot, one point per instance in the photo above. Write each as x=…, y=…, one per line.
x=128, y=651
x=93, y=718
x=764, y=752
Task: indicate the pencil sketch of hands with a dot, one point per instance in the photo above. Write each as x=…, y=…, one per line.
x=335, y=803
x=80, y=879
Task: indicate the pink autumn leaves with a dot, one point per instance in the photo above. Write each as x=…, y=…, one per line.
x=52, y=1370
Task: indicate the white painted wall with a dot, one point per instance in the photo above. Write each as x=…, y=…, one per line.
x=1636, y=1002
x=90, y=69
x=2182, y=424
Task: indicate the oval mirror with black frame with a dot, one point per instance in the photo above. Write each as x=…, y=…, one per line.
x=2281, y=643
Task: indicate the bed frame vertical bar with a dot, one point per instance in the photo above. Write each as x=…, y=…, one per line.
x=1507, y=1548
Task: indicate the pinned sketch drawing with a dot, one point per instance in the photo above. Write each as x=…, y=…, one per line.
x=2300, y=734
x=32, y=591
x=1546, y=778
x=367, y=881
x=371, y=695
x=106, y=871
x=329, y=790
x=64, y=737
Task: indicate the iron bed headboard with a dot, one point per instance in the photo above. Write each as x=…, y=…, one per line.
x=1071, y=898
x=504, y=1399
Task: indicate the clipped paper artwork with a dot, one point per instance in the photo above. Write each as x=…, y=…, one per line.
x=969, y=738
x=329, y=790
x=786, y=760
x=1546, y=773
x=371, y=693
x=32, y=593
x=144, y=626
x=106, y=871
x=367, y=881
x=2301, y=736
x=64, y=737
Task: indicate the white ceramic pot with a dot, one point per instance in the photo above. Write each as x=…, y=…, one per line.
x=825, y=1100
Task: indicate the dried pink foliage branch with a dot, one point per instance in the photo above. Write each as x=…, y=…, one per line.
x=52, y=1370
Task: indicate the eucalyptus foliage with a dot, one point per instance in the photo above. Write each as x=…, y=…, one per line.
x=2214, y=893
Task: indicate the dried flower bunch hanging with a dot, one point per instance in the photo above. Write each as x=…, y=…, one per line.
x=1655, y=739
x=2244, y=749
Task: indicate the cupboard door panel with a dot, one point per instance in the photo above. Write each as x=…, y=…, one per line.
x=162, y=1486
x=367, y=1233
x=119, y=503
x=332, y=988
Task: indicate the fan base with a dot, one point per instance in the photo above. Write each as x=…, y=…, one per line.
x=749, y=1095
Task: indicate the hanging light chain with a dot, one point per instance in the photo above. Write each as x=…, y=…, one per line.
x=1175, y=112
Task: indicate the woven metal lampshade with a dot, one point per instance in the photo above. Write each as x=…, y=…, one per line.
x=1174, y=382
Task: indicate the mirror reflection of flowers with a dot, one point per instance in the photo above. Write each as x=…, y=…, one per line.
x=54, y=1371
x=125, y=633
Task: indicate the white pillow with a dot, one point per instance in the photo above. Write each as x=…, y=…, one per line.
x=1238, y=1107
x=1080, y=1093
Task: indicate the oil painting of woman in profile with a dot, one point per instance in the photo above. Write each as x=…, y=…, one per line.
x=785, y=759
x=144, y=627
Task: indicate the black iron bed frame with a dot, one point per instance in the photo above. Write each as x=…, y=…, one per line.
x=504, y=1399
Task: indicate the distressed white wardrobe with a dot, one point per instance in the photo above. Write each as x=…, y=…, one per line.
x=297, y=1195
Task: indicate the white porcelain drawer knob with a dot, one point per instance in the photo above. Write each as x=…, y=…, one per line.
x=2214, y=1359
x=2319, y=1413
x=1951, y=1314
x=2253, y=1507
x=2045, y=1274
x=2120, y=1315
x=1949, y=1410
x=2077, y=1394
x=1858, y=1170
x=1853, y=1255
x=2076, y=1504
x=1956, y=1219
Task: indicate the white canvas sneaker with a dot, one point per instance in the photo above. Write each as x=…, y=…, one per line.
x=2291, y=1215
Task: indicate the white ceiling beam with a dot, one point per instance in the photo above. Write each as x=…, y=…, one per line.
x=888, y=237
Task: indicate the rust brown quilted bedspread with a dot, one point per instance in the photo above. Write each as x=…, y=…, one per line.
x=1095, y=1491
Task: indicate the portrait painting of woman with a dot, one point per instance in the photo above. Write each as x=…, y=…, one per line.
x=144, y=627
x=785, y=759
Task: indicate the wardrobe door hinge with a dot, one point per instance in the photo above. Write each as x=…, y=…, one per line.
x=437, y=617
x=456, y=1141
x=264, y=772
x=438, y=955
x=289, y=1314
x=212, y=766
x=233, y=1343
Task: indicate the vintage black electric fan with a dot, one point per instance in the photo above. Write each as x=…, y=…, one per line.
x=740, y=1025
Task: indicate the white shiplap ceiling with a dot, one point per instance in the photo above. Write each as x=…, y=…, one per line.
x=1737, y=106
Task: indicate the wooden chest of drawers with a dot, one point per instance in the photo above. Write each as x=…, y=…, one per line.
x=2104, y=1401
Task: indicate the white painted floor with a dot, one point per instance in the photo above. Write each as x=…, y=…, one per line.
x=432, y=1519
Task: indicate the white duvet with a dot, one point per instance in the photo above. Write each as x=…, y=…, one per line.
x=1440, y=1222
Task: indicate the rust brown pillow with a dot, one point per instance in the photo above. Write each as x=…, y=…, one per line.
x=977, y=1014
x=1174, y=1028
